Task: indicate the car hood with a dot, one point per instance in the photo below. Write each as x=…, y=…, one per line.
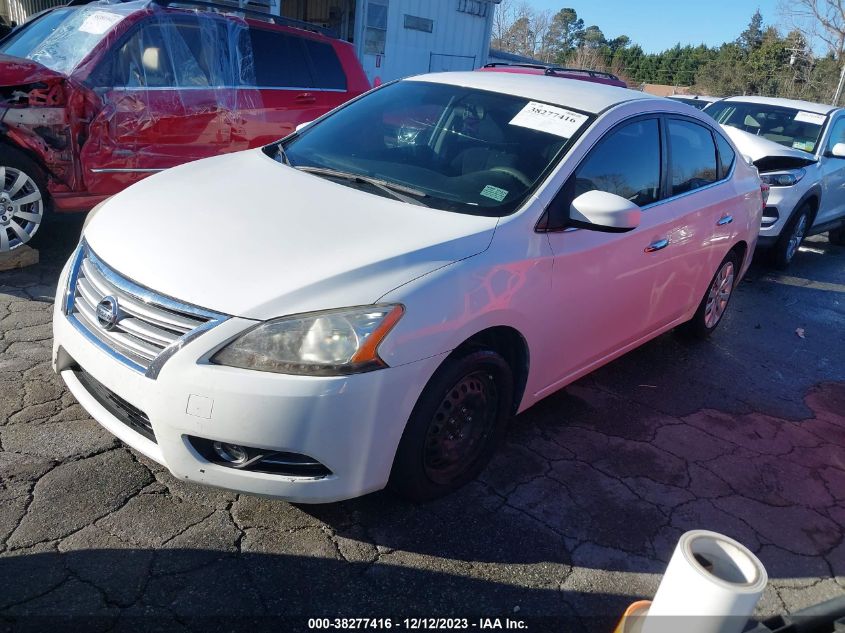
x=244, y=235
x=765, y=154
x=15, y=71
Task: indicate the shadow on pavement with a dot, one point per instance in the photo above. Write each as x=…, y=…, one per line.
x=182, y=590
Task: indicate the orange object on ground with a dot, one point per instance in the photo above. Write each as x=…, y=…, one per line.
x=630, y=623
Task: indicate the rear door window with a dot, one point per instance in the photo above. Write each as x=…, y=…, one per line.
x=280, y=60
x=626, y=163
x=328, y=71
x=187, y=52
x=692, y=156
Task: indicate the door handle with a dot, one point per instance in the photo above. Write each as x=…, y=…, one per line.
x=657, y=245
x=725, y=219
x=305, y=97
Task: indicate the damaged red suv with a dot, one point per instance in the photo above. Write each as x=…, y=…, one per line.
x=94, y=98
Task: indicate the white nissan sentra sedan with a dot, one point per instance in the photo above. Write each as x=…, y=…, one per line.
x=370, y=300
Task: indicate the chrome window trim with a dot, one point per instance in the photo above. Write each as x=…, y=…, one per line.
x=686, y=193
x=143, y=294
x=126, y=170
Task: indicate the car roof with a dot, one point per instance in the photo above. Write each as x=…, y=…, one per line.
x=586, y=96
x=694, y=98
x=808, y=106
x=206, y=7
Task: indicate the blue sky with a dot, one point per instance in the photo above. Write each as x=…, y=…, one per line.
x=659, y=24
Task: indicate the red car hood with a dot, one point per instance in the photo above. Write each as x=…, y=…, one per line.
x=16, y=71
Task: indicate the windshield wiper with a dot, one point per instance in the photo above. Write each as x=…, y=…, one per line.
x=391, y=188
x=280, y=149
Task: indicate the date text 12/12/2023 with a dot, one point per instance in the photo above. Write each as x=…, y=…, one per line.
x=416, y=624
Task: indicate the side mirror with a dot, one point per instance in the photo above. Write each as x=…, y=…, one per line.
x=838, y=150
x=603, y=211
x=302, y=126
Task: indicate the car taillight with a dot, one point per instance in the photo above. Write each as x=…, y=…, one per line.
x=764, y=189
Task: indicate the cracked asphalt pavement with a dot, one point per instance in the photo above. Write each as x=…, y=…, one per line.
x=575, y=518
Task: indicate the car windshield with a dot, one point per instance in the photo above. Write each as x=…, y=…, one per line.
x=791, y=127
x=31, y=33
x=62, y=38
x=443, y=146
x=695, y=103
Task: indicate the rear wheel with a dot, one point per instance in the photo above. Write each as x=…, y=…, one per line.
x=455, y=426
x=22, y=198
x=793, y=234
x=715, y=302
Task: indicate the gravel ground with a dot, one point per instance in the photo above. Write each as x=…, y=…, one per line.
x=575, y=518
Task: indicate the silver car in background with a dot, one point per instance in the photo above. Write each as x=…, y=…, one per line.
x=799, y=149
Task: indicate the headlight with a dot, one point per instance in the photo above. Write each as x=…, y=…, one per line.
x=783, y=178
x=331, y=343
x=93, y=212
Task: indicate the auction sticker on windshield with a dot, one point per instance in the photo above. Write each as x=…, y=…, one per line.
x=810, y=117
x=549, y=119
x=99, y=22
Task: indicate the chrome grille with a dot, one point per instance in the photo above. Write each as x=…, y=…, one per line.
x=145, y=328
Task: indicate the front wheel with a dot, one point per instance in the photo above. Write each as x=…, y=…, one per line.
x=22, y=199
x=455, y=426
x=715, y=302
x=793, y=234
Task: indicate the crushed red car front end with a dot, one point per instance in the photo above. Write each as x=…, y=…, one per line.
x=45, y=114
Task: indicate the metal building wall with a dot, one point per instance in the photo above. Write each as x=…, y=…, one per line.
x=19, y=10
x=460, y=39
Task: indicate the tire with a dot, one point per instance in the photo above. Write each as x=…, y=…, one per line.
x=790, y=239
x=715, y=302
x=20, y=179
x=837, y=236
x=434, y=458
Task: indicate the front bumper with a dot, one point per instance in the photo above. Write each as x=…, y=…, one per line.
x=350, y=424
x=782, y=202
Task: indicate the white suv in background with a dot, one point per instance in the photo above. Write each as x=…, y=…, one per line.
x=799, y=149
